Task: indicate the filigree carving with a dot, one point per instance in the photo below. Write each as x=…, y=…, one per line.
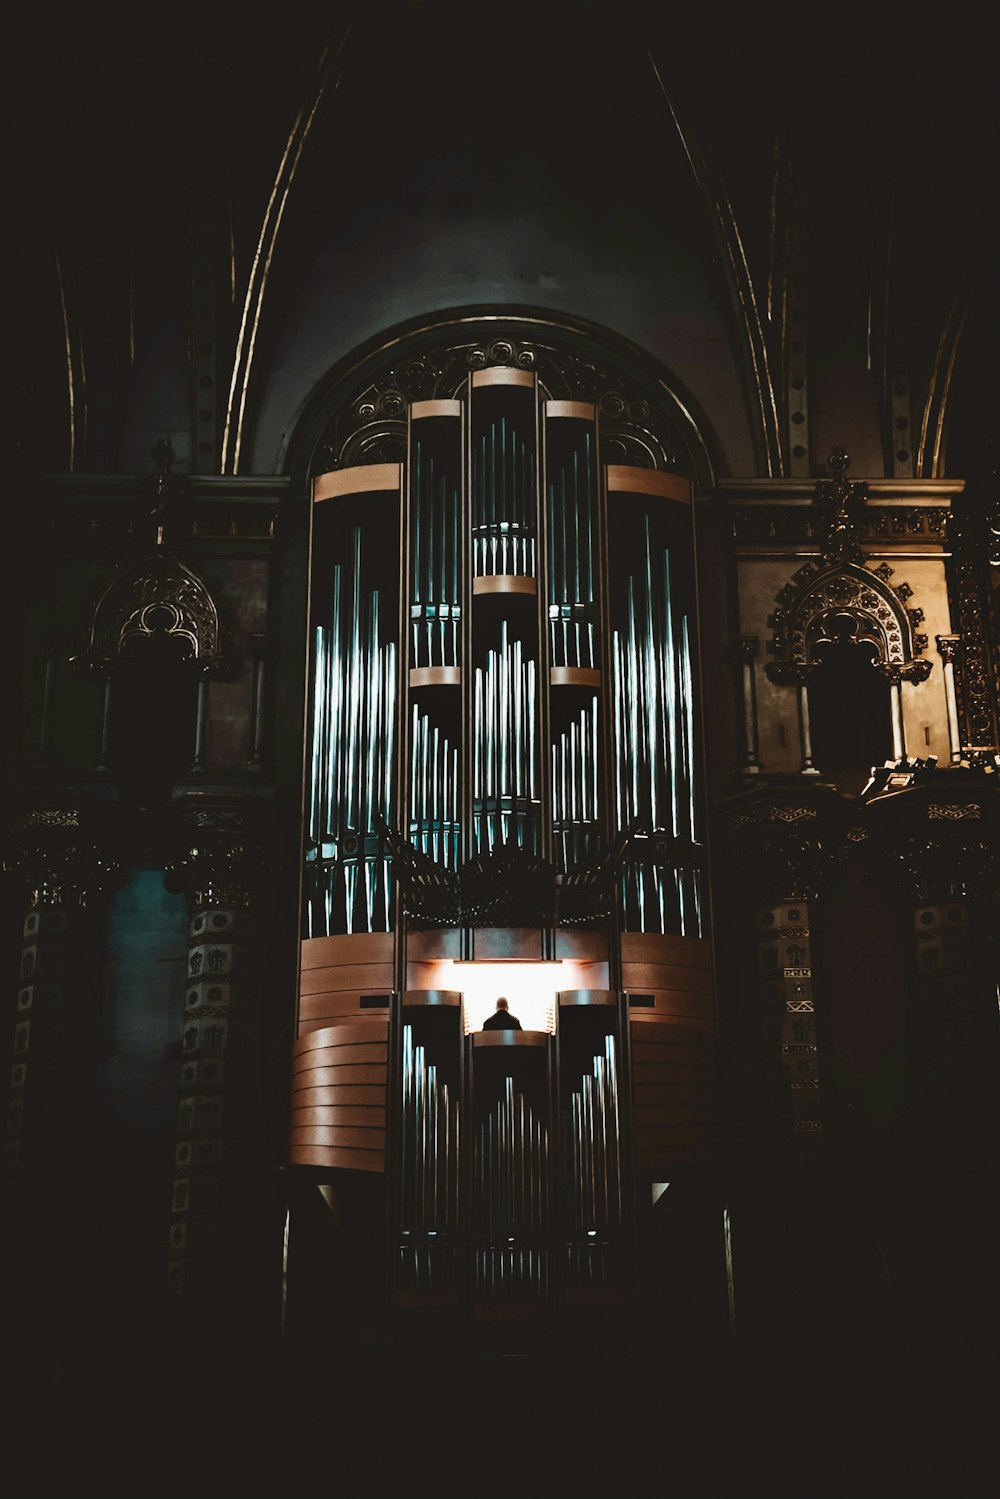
x=157, y=598
x=815, y=599
x=841, y=543
x=63, y=856
x=370, y=427
x=225, y=852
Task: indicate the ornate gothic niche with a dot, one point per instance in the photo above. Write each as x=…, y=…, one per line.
x=154, y=639
x=813, y=605
x=847, y=640
x=157, y=600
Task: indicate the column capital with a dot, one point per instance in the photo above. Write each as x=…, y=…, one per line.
x=64, y=850
x=224, y=850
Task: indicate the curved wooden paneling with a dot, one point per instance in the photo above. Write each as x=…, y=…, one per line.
x=366, y=478
x=338, y=974
x=503, y=374
x=624, y=479
x=340, y=1059
x=673, y=1072
x=668, y=977
x=574, y=676
x=435, y=676
x=510, y=1038
x=504, y=583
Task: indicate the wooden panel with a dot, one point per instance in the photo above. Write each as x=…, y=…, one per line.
x=506, y=942
x=671, y=1115
x=355, y=976
x=667, y=976
x=509, y=1038
x=366, y=478
x=672, y=1033
x=502, y=374
x=340, y=1115
x=692, y=1090
x=325, y=1078
x=580, y=411
x=656, y=1072
x=624, y=479
x=667, y=1137
x=375, y=1028
x=435, y=676
x=351, y=1072
x=333, y=952
x=337, y=1158
x=349, y=1055
x=651, y=947
x=681, y=1002
x=329, y=1095
x=673, y=1056
x=504, y=583
x=352, y=1136
x=421, y=409
x=318, y=1009
x=574, y=676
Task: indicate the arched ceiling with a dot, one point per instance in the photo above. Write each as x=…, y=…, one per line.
x=654, y=172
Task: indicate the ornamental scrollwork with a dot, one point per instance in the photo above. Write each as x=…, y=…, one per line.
x=370, y=426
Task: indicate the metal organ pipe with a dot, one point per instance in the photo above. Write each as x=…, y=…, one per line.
x=653, y=735
x=505, y=800
x=510, y=1161
x=352, y=759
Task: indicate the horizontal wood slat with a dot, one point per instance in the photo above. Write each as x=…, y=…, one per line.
x=651, y=947
x=667, y=976
x=334, y=1092
x=372, y=1028
x=335, y=952
x=337, y=1114
x=328, y=980
x=337, y=1158
x=343, y=1005
x=654, y=1072
x=348, y=1055
x=352, y=1073
x=331, y=1134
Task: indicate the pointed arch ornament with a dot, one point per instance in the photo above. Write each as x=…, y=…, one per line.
x=841, y=585
x=156, y=597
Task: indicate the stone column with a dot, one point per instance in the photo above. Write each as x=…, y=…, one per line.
x=746, y=654
x=948, y=651
x=224, y=862
x=62, y=860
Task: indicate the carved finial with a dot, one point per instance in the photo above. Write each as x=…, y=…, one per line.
x=162, y=454
x=841, y=545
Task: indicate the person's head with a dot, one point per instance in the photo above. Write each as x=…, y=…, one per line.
x=501, y=1003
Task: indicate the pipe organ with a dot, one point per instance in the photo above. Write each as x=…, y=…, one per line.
x=503, y=765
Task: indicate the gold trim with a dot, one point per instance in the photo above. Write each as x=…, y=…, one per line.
x=261, y=265
x=624, y=479
x=69, y=365
x=421, y=409
x=504, y=583
x=945, y=388
x=574, y=676
x=502, y=374
x=435, y=676
x=581, y=411
x=742, y=285
x=366, y=478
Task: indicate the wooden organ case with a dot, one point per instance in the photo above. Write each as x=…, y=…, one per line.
x=504, y=768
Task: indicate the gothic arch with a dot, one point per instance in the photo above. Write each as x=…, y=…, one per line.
x=816, y=596
x=157, y=597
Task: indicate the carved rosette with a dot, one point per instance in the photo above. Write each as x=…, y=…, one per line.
x=224, y=850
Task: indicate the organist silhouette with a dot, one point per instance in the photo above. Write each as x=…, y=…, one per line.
x=502, y=1019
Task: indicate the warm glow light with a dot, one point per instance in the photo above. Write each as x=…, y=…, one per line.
x=530, y=989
